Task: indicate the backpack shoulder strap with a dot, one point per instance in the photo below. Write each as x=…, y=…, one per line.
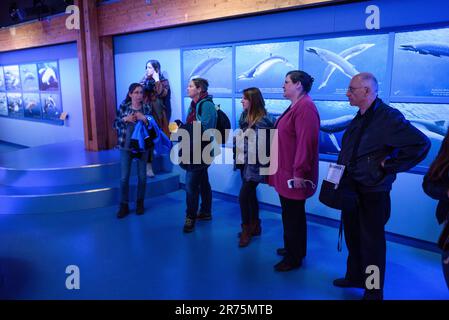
x=199, y=106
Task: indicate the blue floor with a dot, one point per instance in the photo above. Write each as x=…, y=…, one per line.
x=148, y=257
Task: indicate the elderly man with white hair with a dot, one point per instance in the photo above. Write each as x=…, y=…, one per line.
x=378, y=143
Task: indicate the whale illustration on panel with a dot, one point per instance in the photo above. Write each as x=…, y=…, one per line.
x=15, y=102
x=332, y=126
x=12, y=79
x=2, y=81
x=435, y=129
x=431, y=128
x=48, y=76
x=50, y=102
x=203, y=66
x=29, y=76
x=436, y=49
x=30, y=105
x=3, y=104
x=263, y=66
x=345, y=54
x=336, y=125
x=334, y=60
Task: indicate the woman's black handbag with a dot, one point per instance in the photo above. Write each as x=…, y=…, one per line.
x=331, y=195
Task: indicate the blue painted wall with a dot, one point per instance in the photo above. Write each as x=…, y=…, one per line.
x=130, y=67
x=412, y=211
x=32, y=133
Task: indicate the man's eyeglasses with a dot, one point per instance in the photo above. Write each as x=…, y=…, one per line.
x=352, y=89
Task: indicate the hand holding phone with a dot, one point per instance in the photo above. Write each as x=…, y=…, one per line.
x=300, y=183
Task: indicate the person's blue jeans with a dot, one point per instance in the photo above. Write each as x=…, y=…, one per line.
x=126, y=160
x=197, y=183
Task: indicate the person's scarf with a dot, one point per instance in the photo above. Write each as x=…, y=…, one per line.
x=192, y=115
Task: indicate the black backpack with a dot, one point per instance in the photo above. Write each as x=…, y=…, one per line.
x=223, y=122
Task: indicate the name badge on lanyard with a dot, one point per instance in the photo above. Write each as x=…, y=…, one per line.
x=335, y=173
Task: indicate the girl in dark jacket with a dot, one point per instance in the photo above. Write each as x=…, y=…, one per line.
x=254, y=125
x=436, y=186
x=156, y=94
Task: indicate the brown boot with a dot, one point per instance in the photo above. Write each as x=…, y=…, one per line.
x=245, y=235
x=256, y=228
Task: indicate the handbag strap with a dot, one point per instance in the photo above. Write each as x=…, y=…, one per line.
x=340, y=235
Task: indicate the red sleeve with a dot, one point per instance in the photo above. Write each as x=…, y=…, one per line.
x=307, y=127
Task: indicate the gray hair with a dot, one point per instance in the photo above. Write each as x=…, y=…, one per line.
x=369, y=80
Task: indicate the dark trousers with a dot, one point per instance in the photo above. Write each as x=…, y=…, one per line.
x=295, y=229
x=197, y=183
x=364, y=217
x=249, y=205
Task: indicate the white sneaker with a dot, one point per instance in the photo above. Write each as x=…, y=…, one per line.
x=150, y=172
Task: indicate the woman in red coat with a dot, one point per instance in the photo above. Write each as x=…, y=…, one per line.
x=297, y=165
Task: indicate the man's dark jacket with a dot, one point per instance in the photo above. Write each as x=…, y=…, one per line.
x=386, y=134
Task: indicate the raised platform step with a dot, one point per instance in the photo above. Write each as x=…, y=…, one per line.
x=64, y=164
x=65, y=177
x=78, y=197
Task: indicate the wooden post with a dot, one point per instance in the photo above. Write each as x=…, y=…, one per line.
x=109, y=89
x=95, y=56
